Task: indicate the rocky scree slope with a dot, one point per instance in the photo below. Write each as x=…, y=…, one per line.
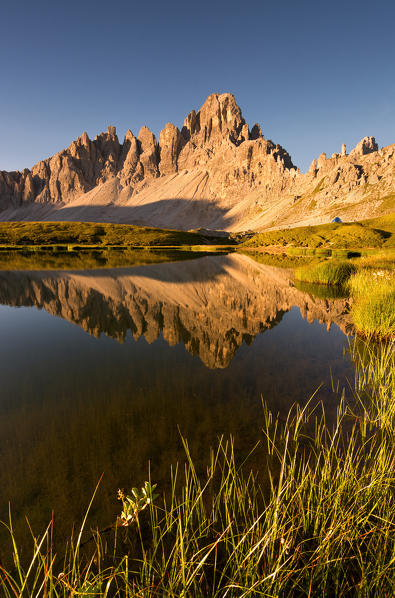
x=215, y=173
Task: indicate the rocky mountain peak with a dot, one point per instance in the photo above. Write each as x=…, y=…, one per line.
x=214, y=173
x=169, y=144
x=367, y=145
x=219, y=117
x=149, y=152
x=256, y=131
x=129, y=160
x=85, y=139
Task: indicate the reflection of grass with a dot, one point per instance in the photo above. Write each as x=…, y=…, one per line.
x=319, y=252
x=280, y=260
x=322, y=291
x=345, y=253
x=322, y=521
x=329, y=272
x=89, y=259
x=372, y=282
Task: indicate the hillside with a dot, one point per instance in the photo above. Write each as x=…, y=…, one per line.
x=216, y=172
x=84, y=233
x=376, y=232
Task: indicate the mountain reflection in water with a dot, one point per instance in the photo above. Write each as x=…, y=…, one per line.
x=211, y=304
x=172, y=347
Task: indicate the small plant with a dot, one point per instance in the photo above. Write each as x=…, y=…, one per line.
x=137, y=502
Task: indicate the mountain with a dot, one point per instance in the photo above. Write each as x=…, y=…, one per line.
x=214, y=173
x=211, y=304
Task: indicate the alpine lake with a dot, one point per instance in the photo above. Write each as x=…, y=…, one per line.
x=107, y=371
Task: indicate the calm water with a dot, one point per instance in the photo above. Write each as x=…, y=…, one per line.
x=102, y=370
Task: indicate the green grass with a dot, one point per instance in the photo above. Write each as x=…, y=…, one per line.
x=373, y=311
x=88, y=233
x=386, y=222
x=329, y=272
x=322, y=524
x=378, y=232
x=382, y=258
x=387, y=202
x=369, y=280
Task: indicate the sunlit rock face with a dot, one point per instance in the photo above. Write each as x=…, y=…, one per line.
x=211, y=305
x=214, y=172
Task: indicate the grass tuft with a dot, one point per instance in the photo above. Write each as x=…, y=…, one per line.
x=327, y=272
x=373, y=311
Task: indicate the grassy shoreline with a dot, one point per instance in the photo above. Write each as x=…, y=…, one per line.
x=70, y=247
x=373, y=233
x=321, y=525
x=88, y=234
x=371, y=284
x=373, y=309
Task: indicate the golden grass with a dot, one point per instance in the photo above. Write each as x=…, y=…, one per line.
x=378, y=232
x=331, y=272
x=321, y=525
x=373, y=311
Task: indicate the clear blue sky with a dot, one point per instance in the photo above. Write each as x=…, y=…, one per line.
x=314, y=74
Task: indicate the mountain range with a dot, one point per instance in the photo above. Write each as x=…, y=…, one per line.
x=216, y=172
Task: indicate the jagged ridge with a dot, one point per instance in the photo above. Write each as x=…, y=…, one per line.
x=241, y=179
